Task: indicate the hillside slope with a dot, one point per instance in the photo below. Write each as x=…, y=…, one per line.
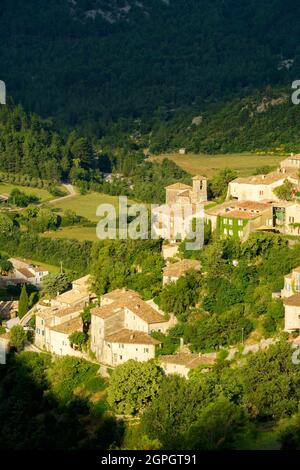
x=91, y=61
x=264, y=121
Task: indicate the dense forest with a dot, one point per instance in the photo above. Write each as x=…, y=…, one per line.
x=94, y=62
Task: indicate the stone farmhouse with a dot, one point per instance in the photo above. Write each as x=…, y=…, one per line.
x=237, y=219
x=286, y=217
x=292, y=162
x=260, y=188
x=291, y=300
x=121, y=328
x=25, y=273
x=174, y=271
x=58, y=318
x=183, y=203
x=183, y=362
x=292, y=313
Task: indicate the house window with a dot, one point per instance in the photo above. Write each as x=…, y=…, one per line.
x=291, y=220
x=43, y=333
x=225, y=221
x=240, y=222
x=225, y=231
x=240, y=233
x=146, y=350
x=42, y=322
x=230, y=221
x=261, y=193
x=121, y=357
x=231, y=232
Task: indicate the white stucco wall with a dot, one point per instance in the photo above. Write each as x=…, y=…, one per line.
x=175, y=369
x=292, y=318
x=118, y=353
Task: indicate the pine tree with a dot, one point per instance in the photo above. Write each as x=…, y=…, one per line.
x=23, y=303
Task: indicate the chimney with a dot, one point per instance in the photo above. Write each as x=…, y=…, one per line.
x=132, y=337
x=292, y=154
x=263, y=176
x=181, y=343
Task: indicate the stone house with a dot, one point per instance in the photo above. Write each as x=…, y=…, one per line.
x=174, y=271
x=80, y=293
x=291, y=162
x=48, y=319
x=260, y=188
x=25, y=273
x=286, y=216
x=173, y=220
x=292, y=313
x=237, y=219
x=182, y=363
x=58, y=336
x=58, y=318
x=121, y=328
x=291, y=283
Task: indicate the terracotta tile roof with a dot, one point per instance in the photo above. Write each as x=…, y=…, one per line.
x=38, y=269
x=236, y=214
x=132, y=301
x=144, y=311
x=83, y=282
x=69, y=326
x=268, y=178
x=188, y=360
x=178, y=186
x=131, y=337
x=253, y=205
x=44, y=314
x=67, y=311
x=71, y=297
x=106, y=311
x=293, y=301
x=228, y=207
x=118, y=294
x=26, y=273
x=181, y=267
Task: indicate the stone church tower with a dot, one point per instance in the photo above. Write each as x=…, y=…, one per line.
x=199, y=193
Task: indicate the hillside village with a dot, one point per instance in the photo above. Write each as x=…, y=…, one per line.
x=122, y=324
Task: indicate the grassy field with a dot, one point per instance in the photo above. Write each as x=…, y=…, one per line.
x=43, y=194
x=77, y=233
x=86, y=205
x=49, y=267
x=208, y=165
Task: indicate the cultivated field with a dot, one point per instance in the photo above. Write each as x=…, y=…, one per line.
x=86, y=205
x=208, y=165
x=77, y=233
x=43, y=194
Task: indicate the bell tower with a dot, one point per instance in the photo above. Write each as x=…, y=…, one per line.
x=199, y=193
